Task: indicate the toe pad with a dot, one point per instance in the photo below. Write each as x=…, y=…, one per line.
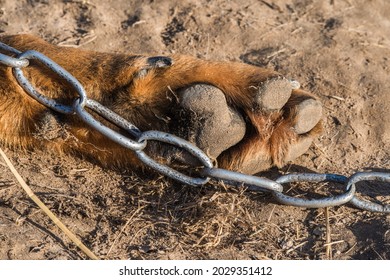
x=274, y=93
x=309, y=113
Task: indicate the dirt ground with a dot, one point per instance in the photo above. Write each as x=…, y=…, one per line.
x=338, y=49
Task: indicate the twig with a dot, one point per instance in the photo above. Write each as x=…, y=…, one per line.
x=350, y=249
x=270, y=214
x=296, y=247
x=336, y=97
x=380, y=257
x=87, y=41
x=272, y=6
x=334, y=242
x=46, y=210
x=328, y=243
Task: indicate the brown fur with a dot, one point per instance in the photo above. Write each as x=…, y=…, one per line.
x=144, y=96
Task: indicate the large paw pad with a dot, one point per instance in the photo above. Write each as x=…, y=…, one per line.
x=213, y=126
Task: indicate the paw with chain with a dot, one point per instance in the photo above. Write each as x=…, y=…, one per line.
x=119, y=109
x=244, y=117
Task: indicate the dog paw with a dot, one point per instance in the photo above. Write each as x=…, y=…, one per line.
x=279, y=128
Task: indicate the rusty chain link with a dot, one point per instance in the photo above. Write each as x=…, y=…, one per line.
x=140, y=139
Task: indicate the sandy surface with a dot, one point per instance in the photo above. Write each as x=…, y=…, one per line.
x=338, y=49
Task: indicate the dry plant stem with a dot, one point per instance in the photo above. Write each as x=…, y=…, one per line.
x=46, y=210
x=328, y=235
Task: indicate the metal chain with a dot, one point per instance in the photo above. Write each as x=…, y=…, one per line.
x=139, y=141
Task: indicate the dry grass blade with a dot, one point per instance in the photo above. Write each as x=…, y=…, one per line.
x=129, y=220
x=328, y=235
x=46, y=210
x=334, y=242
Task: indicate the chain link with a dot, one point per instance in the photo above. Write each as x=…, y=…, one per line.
x=105, y=130
x=253, y=183
x=369, y=176
x=181, y=143
x=11, y=61
x=315, y=178
x=50, y=103
x=207, y=171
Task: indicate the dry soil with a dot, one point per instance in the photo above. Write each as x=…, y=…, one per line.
x=338, y=49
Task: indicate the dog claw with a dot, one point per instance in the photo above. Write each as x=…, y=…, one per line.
x=295, y=84
x=159, y=61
